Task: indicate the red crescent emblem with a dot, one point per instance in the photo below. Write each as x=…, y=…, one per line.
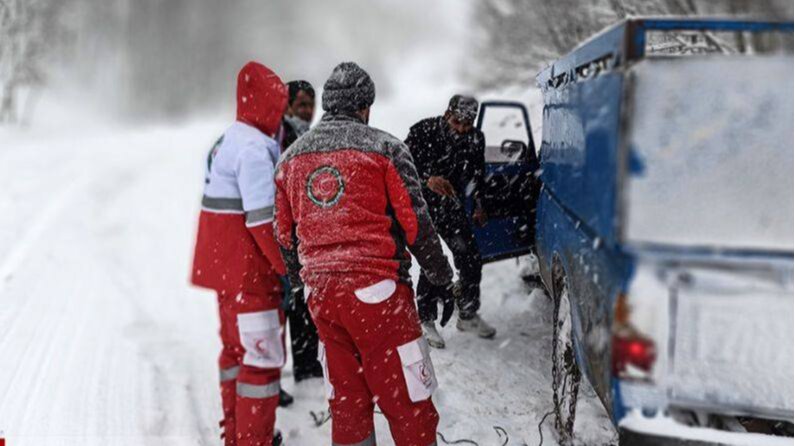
x=260, y=345
x=325, y=186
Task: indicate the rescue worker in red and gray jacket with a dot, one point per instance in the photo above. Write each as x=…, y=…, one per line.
x=348, y=205
x=237, y=256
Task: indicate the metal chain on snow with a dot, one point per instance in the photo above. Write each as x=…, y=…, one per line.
x=500, y=433
x=320, y=417
x=462, y=441
x=575, y=389
x=540, y=431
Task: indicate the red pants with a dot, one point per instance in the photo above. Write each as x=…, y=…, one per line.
x=250, y=362
x=373, y=352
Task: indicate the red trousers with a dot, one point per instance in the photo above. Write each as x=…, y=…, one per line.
x=250, y=365
x=373, y=352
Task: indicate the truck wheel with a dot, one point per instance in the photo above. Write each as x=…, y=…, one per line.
x=565, y=372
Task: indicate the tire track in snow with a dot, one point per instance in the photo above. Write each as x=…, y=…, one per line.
x=27, y=242
x=162, y=352
x=29, y=238
x=36, y=360
x=62, y=292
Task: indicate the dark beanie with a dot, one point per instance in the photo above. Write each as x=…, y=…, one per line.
x=348, y=89
x=464, y=108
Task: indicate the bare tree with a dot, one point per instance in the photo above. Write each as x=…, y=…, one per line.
x=28, y=29
x=519, y=37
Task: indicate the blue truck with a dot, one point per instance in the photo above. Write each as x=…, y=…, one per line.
x=660, y=207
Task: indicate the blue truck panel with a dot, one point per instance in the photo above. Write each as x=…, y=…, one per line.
x=579, y=153
x=584, y=164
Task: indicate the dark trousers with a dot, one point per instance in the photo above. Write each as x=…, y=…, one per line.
x=303, y=340
x=453, y=227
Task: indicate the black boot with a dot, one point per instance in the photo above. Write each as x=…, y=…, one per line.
x=314, y=371
x=285, y=399
x=277, y=439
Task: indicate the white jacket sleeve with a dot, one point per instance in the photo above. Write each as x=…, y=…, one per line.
x=255, y=171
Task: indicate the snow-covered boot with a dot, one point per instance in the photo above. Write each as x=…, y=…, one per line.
x=432, y=335
x=476, y=325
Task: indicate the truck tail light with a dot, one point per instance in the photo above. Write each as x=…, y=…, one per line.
x=633, y=354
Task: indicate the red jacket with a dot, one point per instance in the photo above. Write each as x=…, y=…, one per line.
x=348, y=200
x=235, y=246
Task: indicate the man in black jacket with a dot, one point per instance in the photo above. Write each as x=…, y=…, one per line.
x=300, y=111
x=303, y=333
x=449, y=155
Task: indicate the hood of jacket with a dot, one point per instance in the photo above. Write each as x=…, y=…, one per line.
x=261, y=98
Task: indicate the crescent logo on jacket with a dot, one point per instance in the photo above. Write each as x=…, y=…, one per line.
x=235, y=245
x=325, y=186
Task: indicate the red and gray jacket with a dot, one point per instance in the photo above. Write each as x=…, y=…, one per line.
x=235, y=245
x=348, y=200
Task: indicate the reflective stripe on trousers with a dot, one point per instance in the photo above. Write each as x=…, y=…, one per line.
x=258, y=390
x=229, y=374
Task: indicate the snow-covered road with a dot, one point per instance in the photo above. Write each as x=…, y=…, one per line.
x=103, y=342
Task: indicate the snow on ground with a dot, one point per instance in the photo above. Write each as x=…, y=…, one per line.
x=102, y=340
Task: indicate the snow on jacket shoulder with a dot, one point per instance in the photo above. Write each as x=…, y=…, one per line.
x=348, y=200
x=235, y=246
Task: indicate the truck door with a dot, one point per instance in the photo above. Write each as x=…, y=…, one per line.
x=510, y=183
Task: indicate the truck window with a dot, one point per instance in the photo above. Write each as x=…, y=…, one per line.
x=506, y=134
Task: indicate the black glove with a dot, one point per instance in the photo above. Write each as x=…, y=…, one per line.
x=447, y=310
x=448, y=304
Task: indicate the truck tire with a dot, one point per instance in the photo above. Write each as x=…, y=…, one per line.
x=566, y=375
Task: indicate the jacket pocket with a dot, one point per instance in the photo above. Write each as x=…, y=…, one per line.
x=418, y=369
x=260, y=334
x=376, y=293
x=321, y=357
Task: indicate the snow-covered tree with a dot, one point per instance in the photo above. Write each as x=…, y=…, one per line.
x=28, y=30
x=517, y=38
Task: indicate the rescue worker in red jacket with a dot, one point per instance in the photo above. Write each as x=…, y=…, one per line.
x=237, y=256
x=348, y=204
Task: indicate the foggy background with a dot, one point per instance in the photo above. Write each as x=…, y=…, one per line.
x=170, y=60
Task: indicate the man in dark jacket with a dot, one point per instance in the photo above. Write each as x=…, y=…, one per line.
x=303, y=334
x=300, y=111
x=449, y=154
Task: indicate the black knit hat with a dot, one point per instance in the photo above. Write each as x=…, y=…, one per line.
x=348, y=89
x=464, y=108
x=293, y=87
